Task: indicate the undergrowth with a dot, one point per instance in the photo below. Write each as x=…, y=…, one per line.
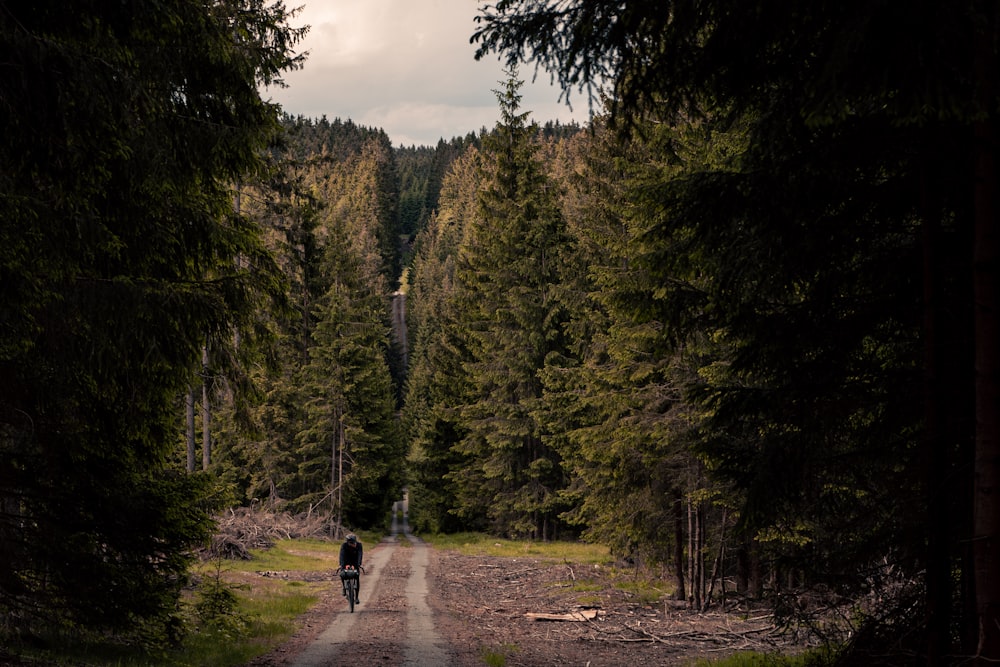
x=231, y=614
x=814, y=658
x=481, y=544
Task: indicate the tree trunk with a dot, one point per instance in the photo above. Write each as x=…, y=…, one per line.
x=743, y=568
x=934, y=456
x=681, y=593
x=717, y=568
x=696, y=542
x=756, y=575
x=340, y=472
x=986, y=544
x=700, y=560
x=986, y=278
x=694, y=599
x=189, y=433
x=334, y=499
x=206, y=413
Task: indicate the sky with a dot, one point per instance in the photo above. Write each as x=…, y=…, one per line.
x=407, y=67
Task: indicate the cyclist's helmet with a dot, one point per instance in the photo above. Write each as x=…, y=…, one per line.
x=352, y=538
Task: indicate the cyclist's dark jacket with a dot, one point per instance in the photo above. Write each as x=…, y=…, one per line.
x=351, y=555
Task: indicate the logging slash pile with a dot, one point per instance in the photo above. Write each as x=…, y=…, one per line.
x=241, y=529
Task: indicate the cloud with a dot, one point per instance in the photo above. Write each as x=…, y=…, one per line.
x=405, y=66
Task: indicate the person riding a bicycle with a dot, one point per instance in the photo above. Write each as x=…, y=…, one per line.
x=351, y=556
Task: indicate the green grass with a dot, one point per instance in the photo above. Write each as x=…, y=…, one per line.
x=643, y=590
x=260, y=617
x=813, y=658
x=268, y=606
x=300, y=554
x=480, y=544
x=265, y=607
x=497, y=656
x=268, y=619
x=584, y=586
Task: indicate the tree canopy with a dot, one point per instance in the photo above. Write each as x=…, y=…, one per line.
x=742, y=328
x=120, y=255
x=846, y=254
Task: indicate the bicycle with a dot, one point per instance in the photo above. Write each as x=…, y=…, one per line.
x=349, y=579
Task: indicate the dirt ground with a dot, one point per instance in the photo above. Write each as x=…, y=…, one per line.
x=480, y=610
x=485, y=602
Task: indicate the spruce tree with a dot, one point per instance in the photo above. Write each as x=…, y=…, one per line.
x=872, y=339
x=436, y=382
x=128, y=127
x=509, y=261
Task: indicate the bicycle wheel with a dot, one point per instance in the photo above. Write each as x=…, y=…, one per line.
x=352, y=593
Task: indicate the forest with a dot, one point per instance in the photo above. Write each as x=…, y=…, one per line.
x=743, y=328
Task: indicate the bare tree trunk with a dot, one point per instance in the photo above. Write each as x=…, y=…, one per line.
x=696, y=537
x=691, y=549
x=756, y=576
x=680, y=594
x=717, y=567
x=934, y=454
x=743, y=568
x=189, y=433
x=986, y=544
x=206, y=413
x=334, y=525
x=700, y=560
x=986, y=280
x=339, y=453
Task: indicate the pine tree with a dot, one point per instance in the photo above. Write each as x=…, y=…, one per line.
x=350, y=406
x=347, y=388
x=618, y=405
x=436, y=383
x=252, y=428
x=327, y=209
x=510, y=258
x=842, y=193
x=121, y=252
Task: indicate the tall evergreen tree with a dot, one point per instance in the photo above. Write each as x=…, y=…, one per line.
x=127, y=127
x=327, y=212
x=252, y=455
x=510, y=258
x=841, y=182
x=350, y=400
x=618, y=406
x=351, y=437
x=436, y=382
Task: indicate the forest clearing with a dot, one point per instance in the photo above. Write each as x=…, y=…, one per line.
x=532, y=610
x=482, y=607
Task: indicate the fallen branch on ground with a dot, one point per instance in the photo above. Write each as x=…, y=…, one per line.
x=574, y=616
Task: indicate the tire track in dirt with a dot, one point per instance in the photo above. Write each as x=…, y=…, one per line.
x=337, y=637
x=397, y=628
x=424, y=645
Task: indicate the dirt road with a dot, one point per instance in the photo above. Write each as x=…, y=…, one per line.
x=425, y=607
x=388, y=629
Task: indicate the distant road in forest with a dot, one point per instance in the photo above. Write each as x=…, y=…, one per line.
x=394, y=625
x=399, y=325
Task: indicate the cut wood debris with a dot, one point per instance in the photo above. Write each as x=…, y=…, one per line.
x=573, y=616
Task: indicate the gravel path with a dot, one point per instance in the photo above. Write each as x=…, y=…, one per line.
x=423, y=645
x=481, y=609
x=393, y=629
